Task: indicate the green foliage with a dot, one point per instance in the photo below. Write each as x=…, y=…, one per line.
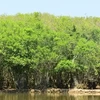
x=66, y=66
x=40, y=44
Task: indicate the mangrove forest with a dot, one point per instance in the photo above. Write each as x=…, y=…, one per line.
x=40, y=50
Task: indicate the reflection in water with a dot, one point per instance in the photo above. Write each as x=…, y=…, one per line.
x=26, y=96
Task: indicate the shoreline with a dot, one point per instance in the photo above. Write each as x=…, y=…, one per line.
x=84, y=92
x=55, y=91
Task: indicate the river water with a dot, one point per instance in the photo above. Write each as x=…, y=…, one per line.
x=27, y=96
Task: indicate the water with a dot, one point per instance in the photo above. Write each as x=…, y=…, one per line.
x=26, y=96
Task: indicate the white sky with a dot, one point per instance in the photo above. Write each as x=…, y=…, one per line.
x=56, y=7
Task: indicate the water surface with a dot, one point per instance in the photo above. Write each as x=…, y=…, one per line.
x=27, y=96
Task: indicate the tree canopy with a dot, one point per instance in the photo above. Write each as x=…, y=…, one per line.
x=48, y=50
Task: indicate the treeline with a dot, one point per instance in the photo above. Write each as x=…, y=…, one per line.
x=42, y=50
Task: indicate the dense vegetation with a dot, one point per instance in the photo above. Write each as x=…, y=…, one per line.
x=42, y=50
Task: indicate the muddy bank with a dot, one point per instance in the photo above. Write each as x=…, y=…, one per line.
x=50, y=90
x=14, y=91
x=84, y=92
x=32, y=91
x=69, y=91
x=56, y=91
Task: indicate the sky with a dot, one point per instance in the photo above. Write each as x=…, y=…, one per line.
x=55, y=7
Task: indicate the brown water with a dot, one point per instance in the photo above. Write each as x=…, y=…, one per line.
x=26, y=96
